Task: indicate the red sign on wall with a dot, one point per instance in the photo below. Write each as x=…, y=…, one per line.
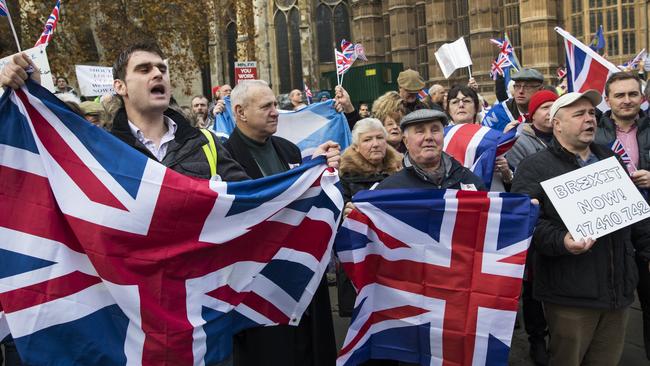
x=245, y=70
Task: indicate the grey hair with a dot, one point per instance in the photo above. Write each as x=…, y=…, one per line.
x=366, y=125
x=240, y=93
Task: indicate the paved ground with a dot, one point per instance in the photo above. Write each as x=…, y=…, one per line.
x=633, y=355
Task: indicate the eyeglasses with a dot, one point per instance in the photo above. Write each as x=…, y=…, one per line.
x=527, y=87
x=455, y=101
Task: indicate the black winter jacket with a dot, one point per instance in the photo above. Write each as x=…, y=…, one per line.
x=312, y=341
x=606, y=134
x=288, y=152
x=604, y=277
x=185, y=153
x=412, y=177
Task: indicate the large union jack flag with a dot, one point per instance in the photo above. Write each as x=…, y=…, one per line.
x=476, y=147
x=586, y=69
x=437, y=274
x=110, y=258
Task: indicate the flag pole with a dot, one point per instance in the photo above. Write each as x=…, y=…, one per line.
x=13, y=30
x=469, y=69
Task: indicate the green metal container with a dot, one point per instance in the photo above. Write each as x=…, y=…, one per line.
x=366, y=82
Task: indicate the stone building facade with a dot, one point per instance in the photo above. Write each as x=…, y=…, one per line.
x=293, y=40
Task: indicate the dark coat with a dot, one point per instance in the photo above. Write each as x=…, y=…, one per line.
x=185, y=153
x=412, y=177
x=288, y=153
x=312, y=342
x=357, y=174
x=606, y=134
x=604, y=277
x=417, y=105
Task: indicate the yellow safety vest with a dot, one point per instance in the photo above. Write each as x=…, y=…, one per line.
x=210, y=150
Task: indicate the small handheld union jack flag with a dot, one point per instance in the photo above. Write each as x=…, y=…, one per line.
x=618, y=148
x=50, y=25
x=308, y=93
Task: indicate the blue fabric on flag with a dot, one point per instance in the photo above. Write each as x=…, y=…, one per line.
x=55, y=302
x=224, y=123
x=314, y=125
x=598, y=42
x=498, y=116
x=417, y=302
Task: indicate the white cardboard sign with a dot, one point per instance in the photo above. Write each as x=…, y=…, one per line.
x=596, y=200
x=94, y=80
x=38, y=54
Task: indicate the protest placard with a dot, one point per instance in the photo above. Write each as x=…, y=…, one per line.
x=39, y=56
x=94, y=80
x=596, y=200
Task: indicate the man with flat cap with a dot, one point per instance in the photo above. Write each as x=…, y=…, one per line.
x=586, y=286
x=425, y=164
x=410, y=83
x=527, y=83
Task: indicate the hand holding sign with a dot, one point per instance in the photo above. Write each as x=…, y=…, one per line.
x=577, y=247
x=594, y=201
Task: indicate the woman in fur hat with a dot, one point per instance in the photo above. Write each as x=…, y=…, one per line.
x=366, y=162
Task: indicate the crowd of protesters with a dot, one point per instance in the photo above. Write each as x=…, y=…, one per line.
x=576, y=297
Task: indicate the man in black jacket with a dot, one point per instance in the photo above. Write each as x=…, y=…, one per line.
x=626, y=123
x=253, y=145
x=586, y=286
x=425, y=164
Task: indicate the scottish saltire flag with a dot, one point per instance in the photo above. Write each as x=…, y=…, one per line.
x=618, y=148
x=498, y=116
x=224, y=123
x=437, y=274
x=586, y=69
x=314, y=125
x=3, y=8
x=110, y=258
x=476, y=147
x=50, y=25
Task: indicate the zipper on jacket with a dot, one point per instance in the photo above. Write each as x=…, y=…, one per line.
x=611, y=275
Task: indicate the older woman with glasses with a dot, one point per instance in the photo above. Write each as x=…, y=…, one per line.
x=462, y=105
x=366, y=162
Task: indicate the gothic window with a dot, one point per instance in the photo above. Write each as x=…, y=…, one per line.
x=288, y=49
x=512, y=26
x=421, y=41
x=332, y=19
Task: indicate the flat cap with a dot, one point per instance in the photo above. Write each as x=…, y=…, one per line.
x=528, y=74
x=423, y=115
x=410, y=80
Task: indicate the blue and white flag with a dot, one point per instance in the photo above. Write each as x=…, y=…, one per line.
x=224, y=123
x=498, y=116
x=307, y=128
x=313, y=125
